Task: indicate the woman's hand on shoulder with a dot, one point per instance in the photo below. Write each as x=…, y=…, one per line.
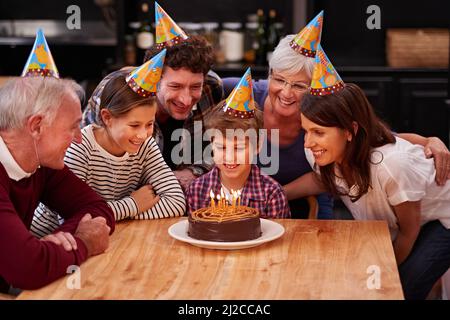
x=436, y=149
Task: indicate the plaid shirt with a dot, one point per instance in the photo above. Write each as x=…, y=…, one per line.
x=260, y=192
x=212, y=94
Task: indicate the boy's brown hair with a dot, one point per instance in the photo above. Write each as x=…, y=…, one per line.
x=216, y=118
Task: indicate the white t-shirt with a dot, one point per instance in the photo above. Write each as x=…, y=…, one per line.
x=399, y=173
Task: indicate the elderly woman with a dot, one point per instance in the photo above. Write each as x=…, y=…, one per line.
x=279, y=97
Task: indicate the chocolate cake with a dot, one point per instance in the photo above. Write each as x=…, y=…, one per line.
x=239, y=223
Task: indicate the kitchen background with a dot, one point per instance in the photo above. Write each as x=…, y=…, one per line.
x=404, y=72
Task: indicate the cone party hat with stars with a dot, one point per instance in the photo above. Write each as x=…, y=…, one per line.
x=325, y=79
x=40, y=62
x=168, y=33
x=241, y=103
x=307, y=40
x=144, y=79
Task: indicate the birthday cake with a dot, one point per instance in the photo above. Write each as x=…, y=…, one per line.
x=231, y=224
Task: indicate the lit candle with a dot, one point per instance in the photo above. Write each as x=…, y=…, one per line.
x=226, y=203
x=213, y=204
x=239, y=197
x=218, y=201
x=222, y=196
x=232, y=198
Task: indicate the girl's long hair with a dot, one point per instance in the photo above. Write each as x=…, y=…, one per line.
x=341, y=110
x=119, y=98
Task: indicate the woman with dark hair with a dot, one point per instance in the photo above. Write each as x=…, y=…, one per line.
x=290, y=71
x=378, y=176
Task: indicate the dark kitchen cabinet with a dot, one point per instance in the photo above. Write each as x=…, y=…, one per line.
x=409, y=100
x=422, y=107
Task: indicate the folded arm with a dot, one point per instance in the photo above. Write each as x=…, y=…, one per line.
x=72, y=199
x=165, y=185
x=27, y=262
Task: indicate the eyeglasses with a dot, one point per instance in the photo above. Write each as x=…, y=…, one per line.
x=295, y=86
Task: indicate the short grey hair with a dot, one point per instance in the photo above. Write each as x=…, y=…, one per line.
x=285, y=59
x=21, y=98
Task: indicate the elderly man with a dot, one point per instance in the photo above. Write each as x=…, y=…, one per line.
x=187, y=90
x=39, y=118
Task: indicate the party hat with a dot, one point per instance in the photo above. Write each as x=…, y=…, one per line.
x=40, y=62
x=168, y=33
x=241, y=102
x=325, y=79
x=144, y=79
x=307, y=40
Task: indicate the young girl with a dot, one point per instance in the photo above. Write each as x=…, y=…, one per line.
x=378, y=176
x=118, y=157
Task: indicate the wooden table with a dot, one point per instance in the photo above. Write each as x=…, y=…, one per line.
x=313, y=260
x=3, y=80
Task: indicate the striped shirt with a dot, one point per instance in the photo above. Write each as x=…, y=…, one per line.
x=115, y=178
x=260, y=192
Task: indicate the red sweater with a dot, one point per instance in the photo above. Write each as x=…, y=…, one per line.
x=25, y=261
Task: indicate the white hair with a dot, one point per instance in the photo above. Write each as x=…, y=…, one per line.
x=285, y=59
x=21, y=98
